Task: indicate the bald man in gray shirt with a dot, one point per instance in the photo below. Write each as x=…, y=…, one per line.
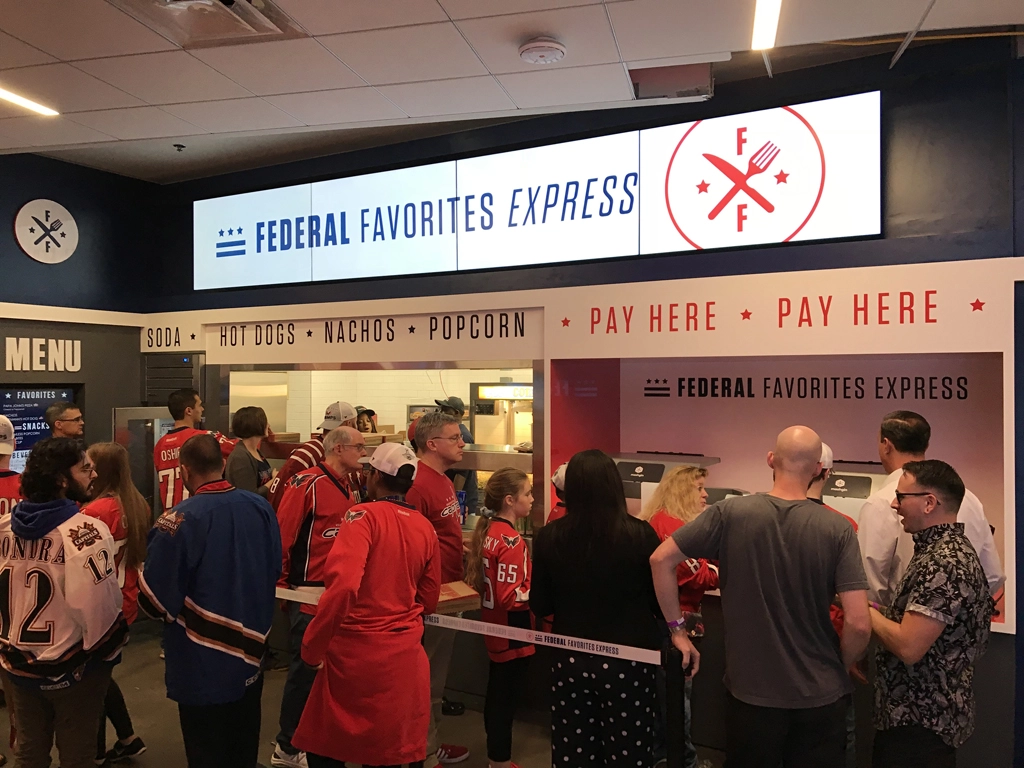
x=781, y=563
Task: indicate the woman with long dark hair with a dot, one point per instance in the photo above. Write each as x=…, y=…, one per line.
x=591, y=572
x=119, y=504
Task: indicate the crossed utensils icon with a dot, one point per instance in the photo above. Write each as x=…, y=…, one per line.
x=758, y=163
x=48, y=232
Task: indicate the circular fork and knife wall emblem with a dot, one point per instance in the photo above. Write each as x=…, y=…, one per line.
x=46, y=231
x=751, y=178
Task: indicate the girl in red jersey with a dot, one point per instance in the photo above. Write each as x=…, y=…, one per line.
x=118, y=504
x=679, y=498
x=498, y=568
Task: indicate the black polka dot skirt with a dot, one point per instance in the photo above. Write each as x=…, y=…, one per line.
x=602, y=711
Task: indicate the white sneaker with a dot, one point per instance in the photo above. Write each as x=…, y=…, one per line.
x=281, y=759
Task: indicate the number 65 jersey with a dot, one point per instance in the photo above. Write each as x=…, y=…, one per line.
x=60, y=604
x=506, y=597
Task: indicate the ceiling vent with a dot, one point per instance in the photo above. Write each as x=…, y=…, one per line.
x=686, y=82
x=208, y=23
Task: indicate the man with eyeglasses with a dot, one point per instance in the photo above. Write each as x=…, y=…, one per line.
x=904, y=437
x=310, y=512
x=934, y=631
x=65, y=420
x=439, y=446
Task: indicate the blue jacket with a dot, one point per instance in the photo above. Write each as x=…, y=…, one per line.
x=211, y=569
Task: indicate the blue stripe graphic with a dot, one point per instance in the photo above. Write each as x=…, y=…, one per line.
x=221, y=254
x=230, y=243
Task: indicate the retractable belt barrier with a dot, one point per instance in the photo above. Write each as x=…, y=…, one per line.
x=563, y=642
x=669, y=657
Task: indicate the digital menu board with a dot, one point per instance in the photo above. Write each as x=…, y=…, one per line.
x=26, y=407
x=804, y=172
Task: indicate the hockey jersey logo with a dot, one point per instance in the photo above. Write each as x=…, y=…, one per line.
x=451, y=509
x=510, y=541
x=354, y=514
x=85, y=536
x=170, y=521
x=300, y=480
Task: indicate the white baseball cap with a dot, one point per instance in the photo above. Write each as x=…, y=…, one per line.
x=337, y=414
x=6, y=436
x=391, y=457
x=558, y=479
x=826, y=456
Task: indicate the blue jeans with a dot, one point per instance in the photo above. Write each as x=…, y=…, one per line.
x=661, y=723
x=299, y=682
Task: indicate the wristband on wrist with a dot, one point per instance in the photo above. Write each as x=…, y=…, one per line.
x=679, y=623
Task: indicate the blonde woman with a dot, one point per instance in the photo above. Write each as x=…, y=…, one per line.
x=679, y=498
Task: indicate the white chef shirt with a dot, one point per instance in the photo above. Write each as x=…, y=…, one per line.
x=887, y=548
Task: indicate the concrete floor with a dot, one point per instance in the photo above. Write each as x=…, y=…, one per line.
x=141, y=677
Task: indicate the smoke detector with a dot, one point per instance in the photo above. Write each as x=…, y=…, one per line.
x=542, y=50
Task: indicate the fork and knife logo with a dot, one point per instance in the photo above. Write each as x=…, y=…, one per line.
x=48, y=232
x=758, y=163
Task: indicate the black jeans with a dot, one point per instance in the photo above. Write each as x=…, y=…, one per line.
x=911, y=746
x=299, y=682
x=504, y=685
x=115, y=709
x=315, y=761
x=223, y=735
x=767, y=737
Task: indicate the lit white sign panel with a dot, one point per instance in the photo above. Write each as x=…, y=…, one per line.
x=806, y=172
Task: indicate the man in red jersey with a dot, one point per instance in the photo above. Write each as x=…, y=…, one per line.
x=10, y=482
x=312, y=508
x=439, y=447
x=339, y=414
x=382, y=575
x=186, y=409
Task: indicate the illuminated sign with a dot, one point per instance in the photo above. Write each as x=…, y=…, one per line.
x=507, y=392
x=805, y=172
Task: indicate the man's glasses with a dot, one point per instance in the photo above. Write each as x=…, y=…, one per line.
x=452, y=439
x=76, y=420
x=901, y=496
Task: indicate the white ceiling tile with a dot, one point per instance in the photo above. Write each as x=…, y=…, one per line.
x=801, y=21
x=579, y=85
x=449, y=97
x=39, y=131
x=654, y=29
x=584, y=32
x=14, y=53
x=406, y=54
x=64, y=88
x=351, y=105
x=136, y=123
x=471, y=9
x=165, y=78
x=977, y=13
x=282, y=66
x=234, y=115
x=78, y=29
x=325, y=17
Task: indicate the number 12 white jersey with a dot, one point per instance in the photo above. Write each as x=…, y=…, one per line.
x=60, y=604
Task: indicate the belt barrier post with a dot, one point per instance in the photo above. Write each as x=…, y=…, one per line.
x=675, y=737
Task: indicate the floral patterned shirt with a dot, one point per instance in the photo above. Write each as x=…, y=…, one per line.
x=944, y=581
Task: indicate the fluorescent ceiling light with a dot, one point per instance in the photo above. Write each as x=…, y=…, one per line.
x=21, y=101
x=766, y=23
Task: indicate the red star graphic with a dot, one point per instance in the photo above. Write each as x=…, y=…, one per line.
x=976, y=305
x=781, y=176
x=745, y=314
x=565, y=322
x=702, y=187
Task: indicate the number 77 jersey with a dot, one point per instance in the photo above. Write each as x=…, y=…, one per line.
x=168, y=470
x=60, y=604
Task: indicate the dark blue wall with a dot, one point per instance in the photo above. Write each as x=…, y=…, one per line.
x=115, y=221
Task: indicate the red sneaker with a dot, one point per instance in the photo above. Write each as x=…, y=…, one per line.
x=448, y=754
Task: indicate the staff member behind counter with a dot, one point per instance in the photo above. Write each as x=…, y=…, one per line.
x=370, y=703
